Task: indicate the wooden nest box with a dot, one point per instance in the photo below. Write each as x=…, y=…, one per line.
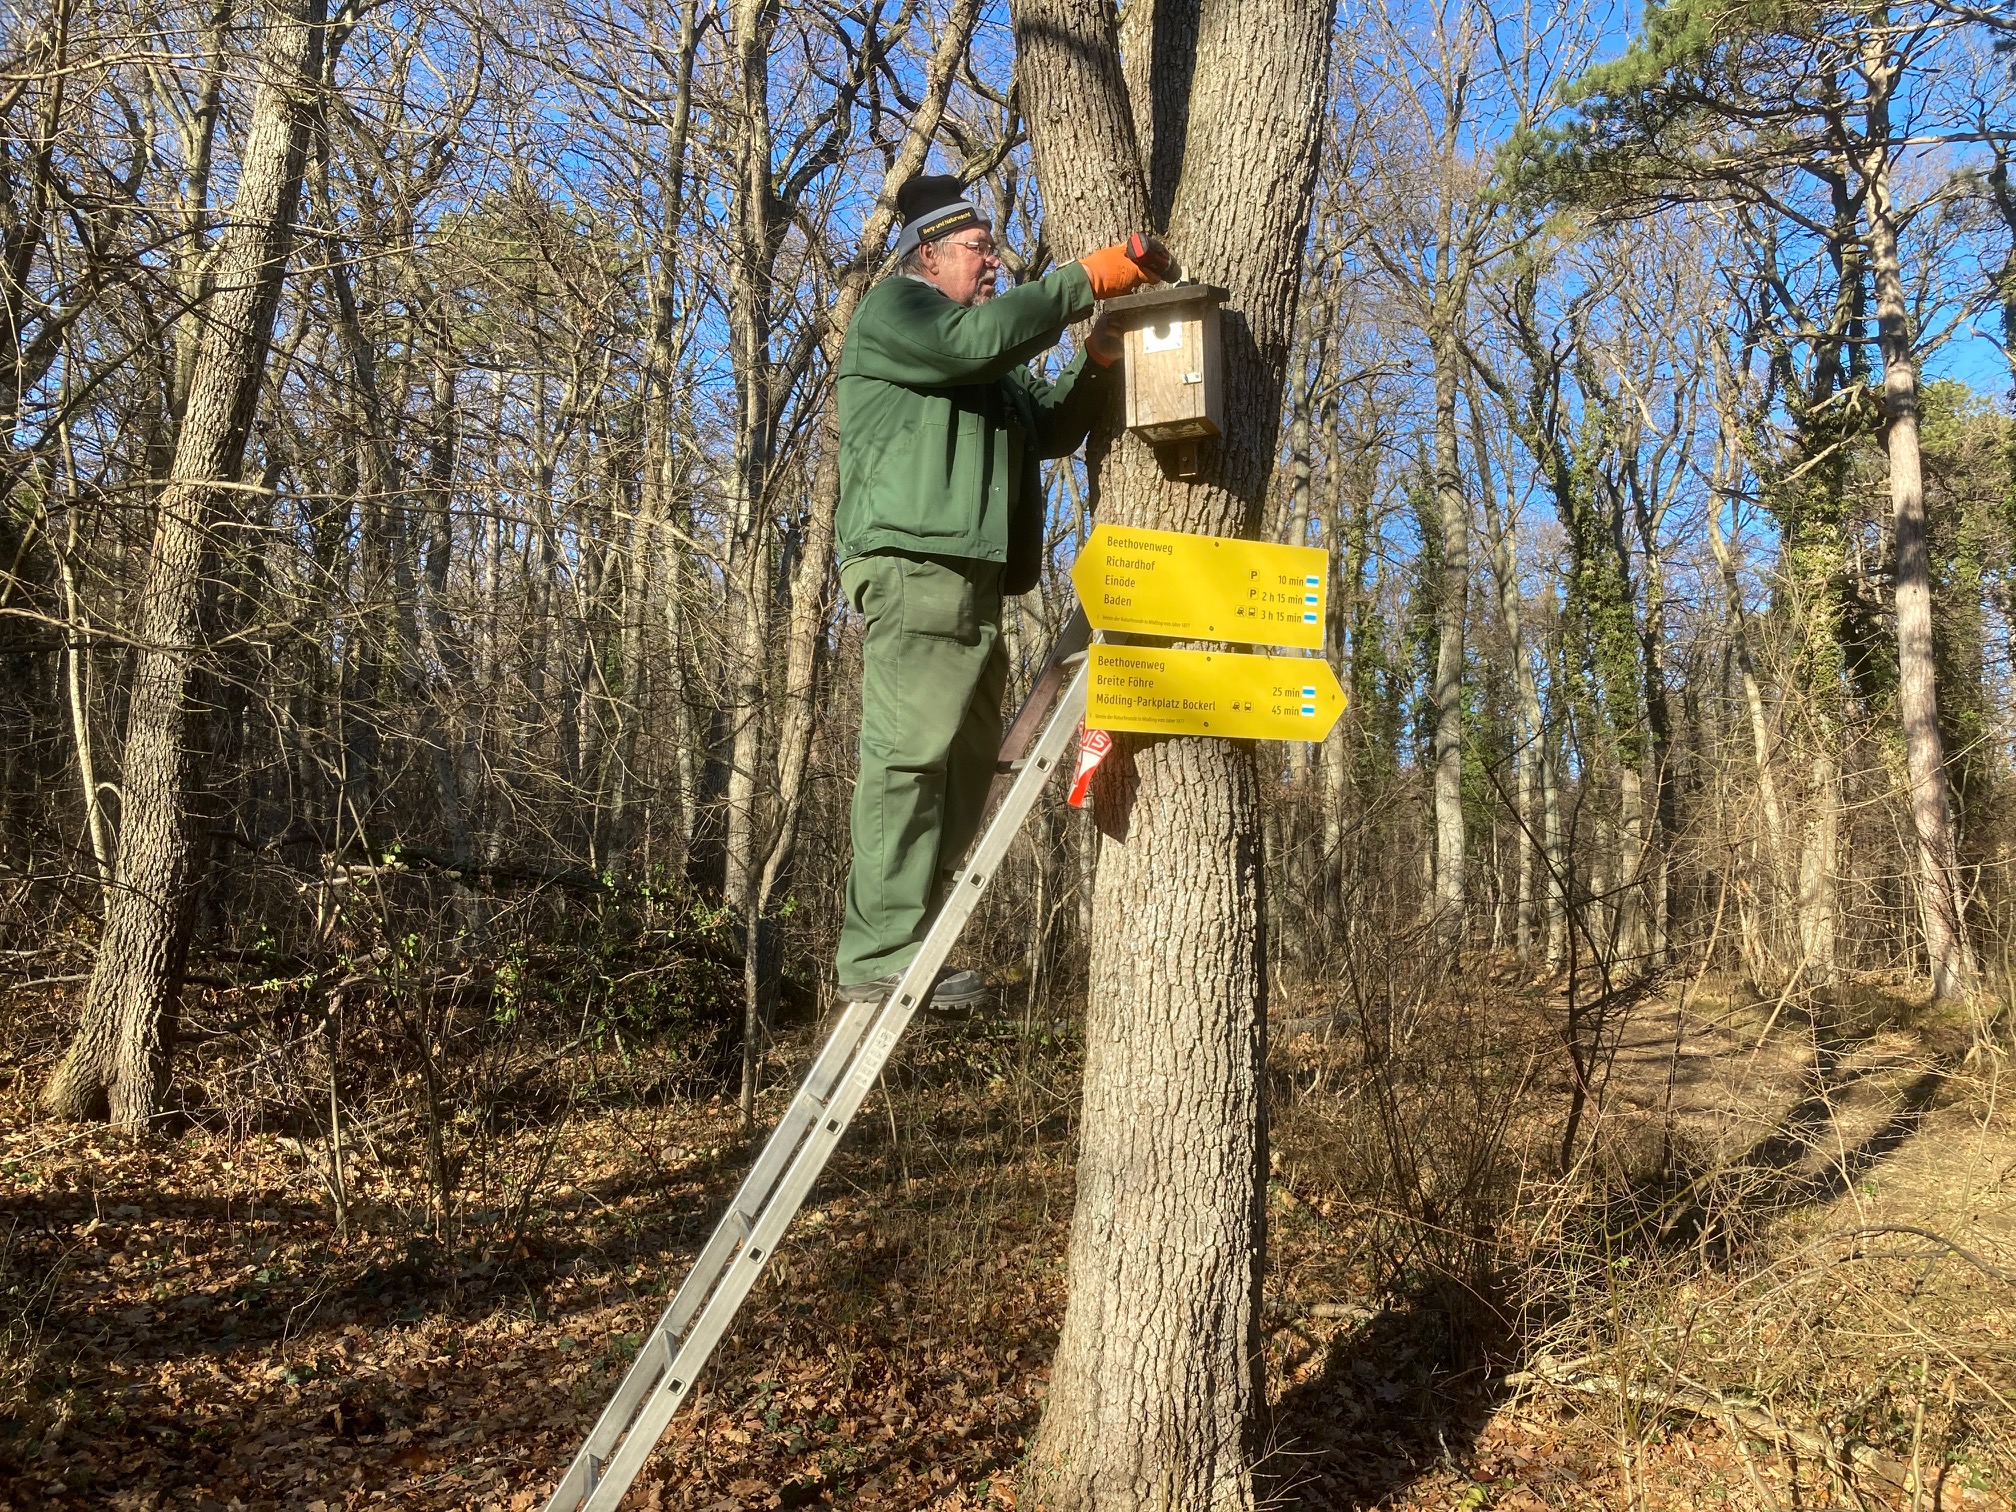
x=1175, y=368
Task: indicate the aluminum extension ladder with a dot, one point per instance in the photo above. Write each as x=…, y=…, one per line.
x=678, y=1347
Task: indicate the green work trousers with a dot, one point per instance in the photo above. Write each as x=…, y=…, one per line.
x=933, y=671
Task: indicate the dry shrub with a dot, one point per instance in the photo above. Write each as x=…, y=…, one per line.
x=1400, y=1108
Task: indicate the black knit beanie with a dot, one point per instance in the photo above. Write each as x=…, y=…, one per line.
x=933, y=205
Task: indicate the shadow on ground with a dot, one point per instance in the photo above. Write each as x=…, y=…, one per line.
x=1383, y=1414
x=1855, y=1106
x=1391, y=1410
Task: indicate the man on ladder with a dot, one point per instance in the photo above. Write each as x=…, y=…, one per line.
x=942, y=428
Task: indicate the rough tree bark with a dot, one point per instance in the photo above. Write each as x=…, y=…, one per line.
x=1939, y=886
x=1156, y=1377
x=750, y=277
x=118, y=1064
x=1452, y=613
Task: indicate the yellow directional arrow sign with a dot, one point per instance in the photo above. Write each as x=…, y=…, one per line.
x=1198, y=587
x=1168, y=692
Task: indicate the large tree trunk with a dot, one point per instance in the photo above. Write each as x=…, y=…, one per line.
x=1939, y=888
x=1814, y=565
x=1156, y=1378
x=1451, y=615
x=118, y=1064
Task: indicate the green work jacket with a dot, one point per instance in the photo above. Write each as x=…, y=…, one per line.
x=942, y=424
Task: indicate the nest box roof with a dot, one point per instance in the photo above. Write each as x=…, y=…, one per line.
x=1166, y=299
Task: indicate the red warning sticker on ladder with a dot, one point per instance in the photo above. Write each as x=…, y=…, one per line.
x=1092, y=748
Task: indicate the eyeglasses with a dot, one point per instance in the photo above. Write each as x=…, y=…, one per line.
x=985, y=251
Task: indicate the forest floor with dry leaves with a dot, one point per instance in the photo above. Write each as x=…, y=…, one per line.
x=1827, y=1273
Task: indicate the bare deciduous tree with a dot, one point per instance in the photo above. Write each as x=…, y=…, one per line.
x=1208, y=129
x=118, y=1065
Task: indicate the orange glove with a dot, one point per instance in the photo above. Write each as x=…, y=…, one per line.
x=1113, y=272
x=1102, y=343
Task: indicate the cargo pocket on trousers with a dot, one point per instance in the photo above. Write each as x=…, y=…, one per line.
x=939, y=602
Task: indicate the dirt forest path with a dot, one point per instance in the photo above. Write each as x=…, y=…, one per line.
x=1852, y=1123
x=1815, y=1219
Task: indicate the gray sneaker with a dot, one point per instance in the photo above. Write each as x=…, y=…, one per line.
x=868, y=992
x=960, y=989
x=953, y=989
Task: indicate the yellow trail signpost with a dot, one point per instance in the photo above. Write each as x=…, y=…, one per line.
x=1161, y=691
x=1198, y=587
